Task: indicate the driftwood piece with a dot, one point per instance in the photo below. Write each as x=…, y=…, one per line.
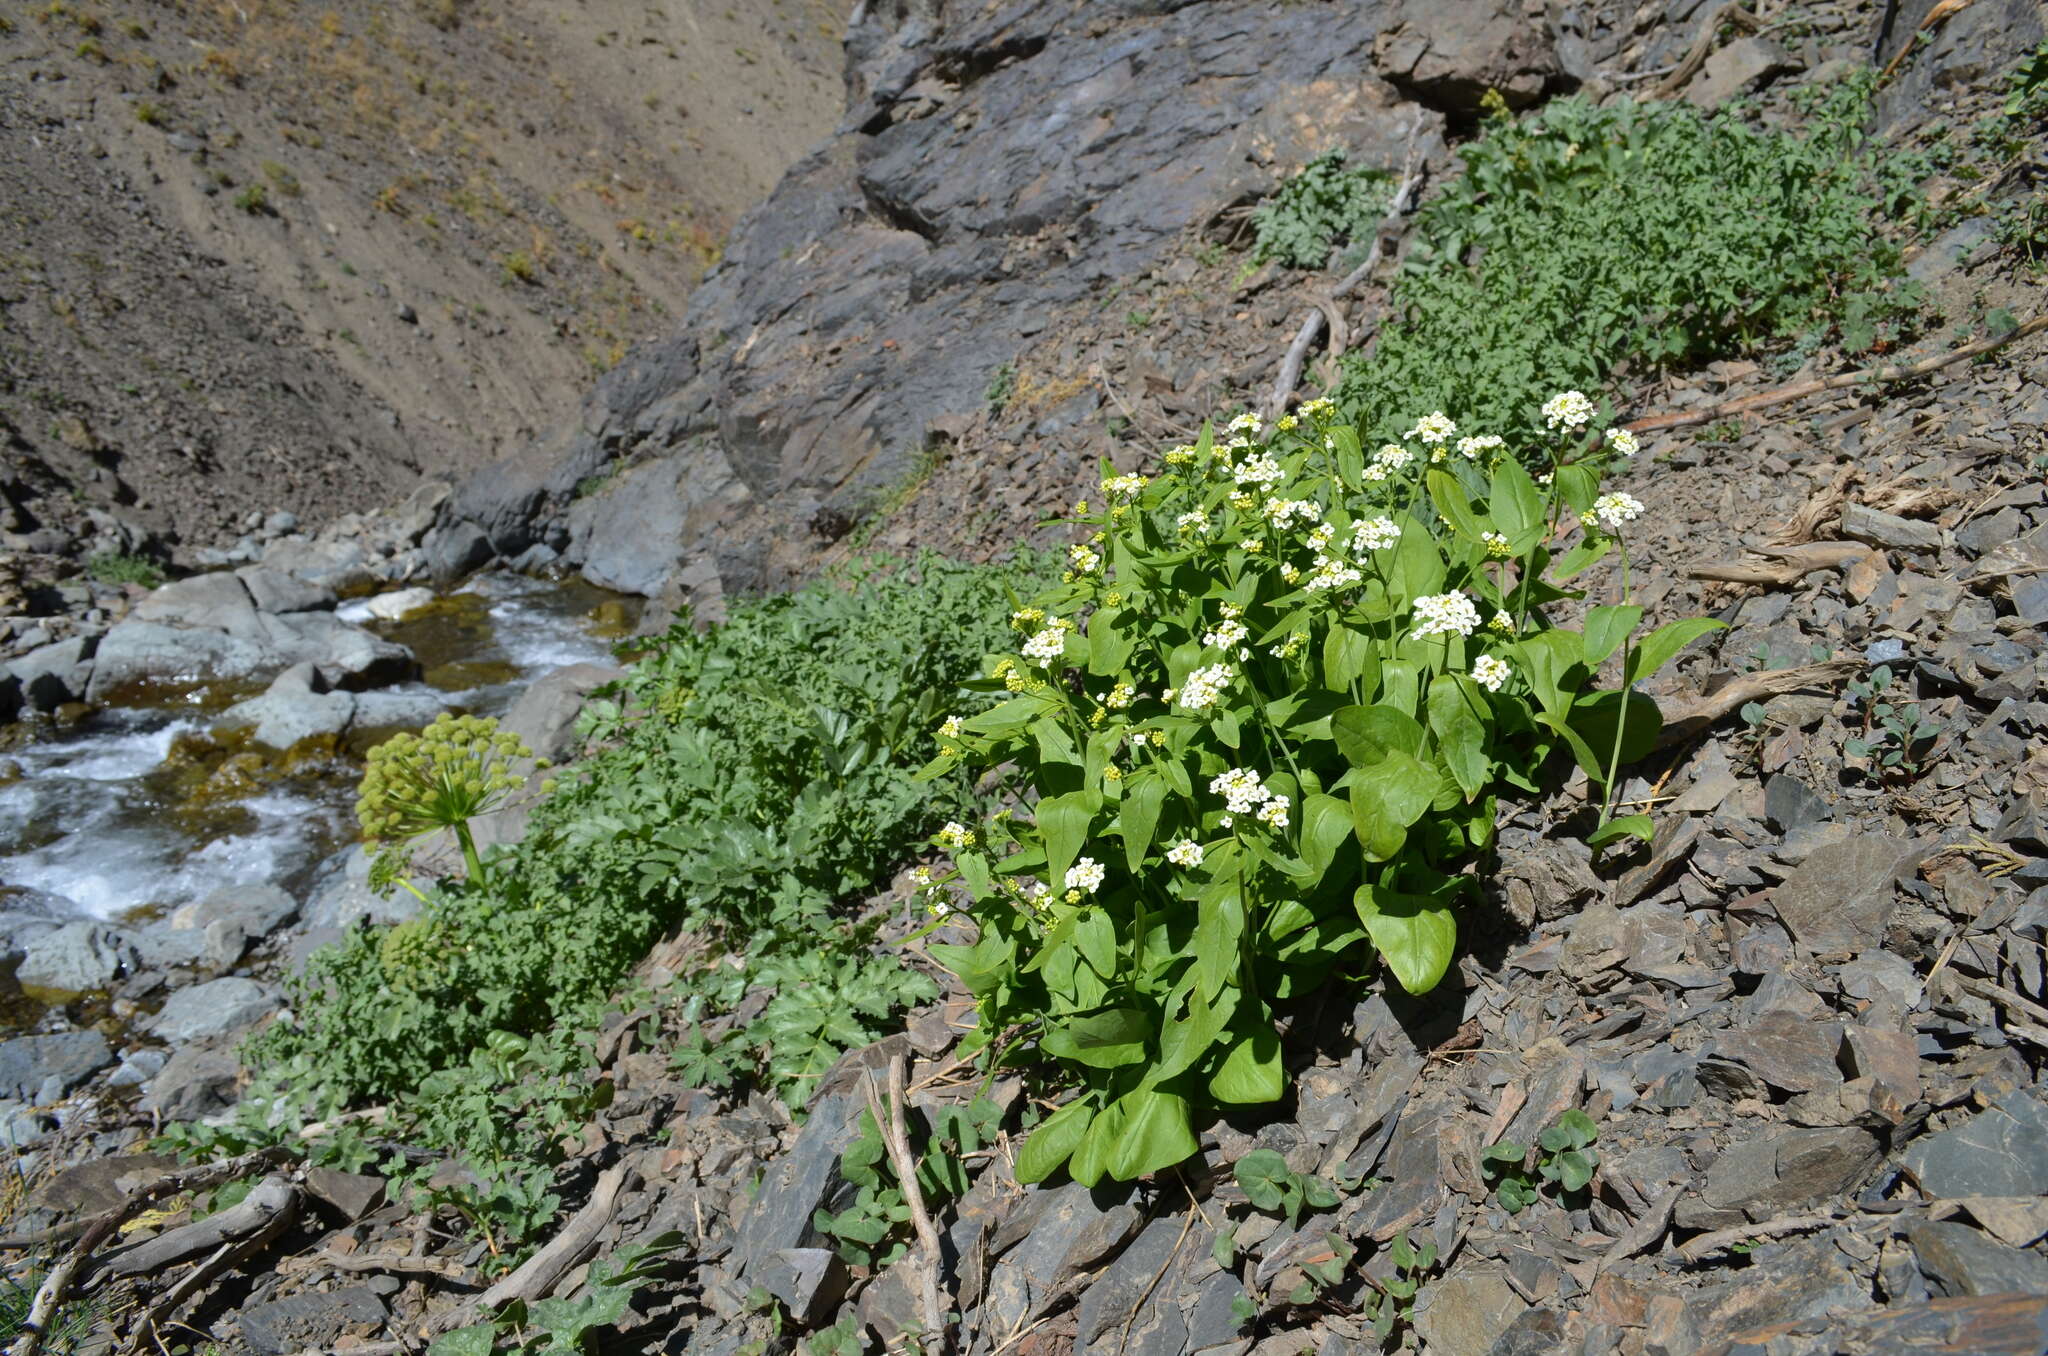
x=56, y=1287
x=1790, y=564
x=1885, y=372
x=1312, y=323
x=1696, y=717
x=925, y=1263
x=1703, y=43
x=229, y=1256
x=247, y=1216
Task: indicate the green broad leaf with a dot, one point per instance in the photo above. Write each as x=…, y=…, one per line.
x=1388, y=797
x=1226, y=728
x=1627, y=826
x=1264, y=1177
x=1580, y=558
x=1095, y=936
x=1325, y=824
x=1102, y=746
x=1138, y=815
x=974, y=871
x=1350, y=456
x=1109, y=645
x=1347, y=657
x=1416, y=936
x=1251, y=1072
x=1064, y=821
x=1579, y=485
x=480, y=1340
x=1155, y=1134
x=1006, y=718
x=1103, y=1040
x=1417, y=567
x=1224, y=1250
x=1452, y=503
x=1575, y=1169
x=1577, y=1127
x=1219, y=924
x=1607, y=628
x=1054, y=744
x=1498, y=1157
x=1054, y=1141
x=1596, y=716
x=1401, y=681
x=1548, y=658
x=1090, y=1158
x=1306, y=714
x=1589, y=761
x=1366, y=734
x=1183, y=1041
x=1516, y=506
x=935, y=769
x=1662, y=645
x=1458, y=713
x=982, y=967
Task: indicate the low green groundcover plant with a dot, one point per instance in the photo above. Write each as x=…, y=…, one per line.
x=1313, y=211
x=1265, y=721
x=1709, y=236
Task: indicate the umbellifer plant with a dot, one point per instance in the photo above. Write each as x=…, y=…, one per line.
x=1263, y=724
x=457, y=768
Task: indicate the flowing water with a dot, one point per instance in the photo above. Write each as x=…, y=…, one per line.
x=136, y=811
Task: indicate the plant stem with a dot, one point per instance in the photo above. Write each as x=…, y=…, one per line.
x=474, y=863
x=1620, y=716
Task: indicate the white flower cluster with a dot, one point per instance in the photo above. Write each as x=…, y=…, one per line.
x=1284, y=513
x=1242, y=790
x=1392, y=457
x=1274, y=812
x=1624, y=442
x=1123, y=487
x=1490, y=673
x=1433, y=428
x=1445, y=613
x=1205, y=685
x=1615, y=509
x=1187, y=853
x=956, y=836
x=1045, y=648
x=1261, y=470
x=1244, y=423
x=1119, y=696
x=1194, y=522
x=949, y=728
x=1496, y=544
x=1483, y=442
x=1085, y=874
x=1568, y=410
x=1229, y=634
x=1332, y=573
x=1083, y=558
x=1320, y=408
x=1375, y=534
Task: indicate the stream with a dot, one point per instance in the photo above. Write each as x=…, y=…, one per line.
x=134, y=811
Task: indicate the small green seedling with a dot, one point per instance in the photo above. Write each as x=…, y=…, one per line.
x=1567, y=1161
x=1897, y=736
x=1269, y=1184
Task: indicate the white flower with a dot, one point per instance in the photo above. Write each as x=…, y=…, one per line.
x=1185, y=854
x=1045, y=648
x=1032, y=889
x=1242, y=790
x=1375, y=472
x=941, y=907
x=1615, y=509
x=1194, y=521
x=956, y=836
x=1502, y=623
x=1496, y=544
x=1444, y=613
x=1490, y=673
x=1375, y=534
x=949, y=728
x=1204, y=686
x=1282, y=513
x=920, y=876
x=1261, y=470
x=1319, y=539
x=1567, y=409
x=1083, y=558
x=1085, y=874
x=1624, y=442
x=1332, y=573
x=1319, y=408
x=1435, y=427
x=1392, y=456
x=1123, y=487
x=1544, y=478
x=1119, y=697
x=1026, y=616
x=1274, y=812
x=1180, y=456
x=1245, y=423
x=1227, y=635
x=1484, y=442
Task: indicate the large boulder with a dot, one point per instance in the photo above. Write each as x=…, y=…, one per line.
x=40, y=1069
x=55, y=674
x=997, y=167
x=298, y=705
x=1449, y=53
x=79, y=957
x=214, y=1008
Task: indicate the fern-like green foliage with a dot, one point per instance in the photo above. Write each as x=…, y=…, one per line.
x=1324, y=205
x=1581, y=238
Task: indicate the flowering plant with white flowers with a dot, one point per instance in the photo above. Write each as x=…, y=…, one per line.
x=1265, y=730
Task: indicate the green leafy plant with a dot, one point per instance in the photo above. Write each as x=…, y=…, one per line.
x=254, y=199
x=1896, y=736
x=1316, y=209
x=872, y=1229
x=1269, y=1184
x=1001, y=385
x=413, y=785
x=566, y=1326
x=1264, y=724
x=115, y=568
x=1567, y=1161
x=1707, y=236
x=1390, y=1306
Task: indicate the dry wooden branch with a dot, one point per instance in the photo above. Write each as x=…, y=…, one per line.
x=895, y=1132
x=1694, y=1249
x=1792, y=563
x=537, y=1278
x=1702, y=43
x=227, y=1257
x=248, y=1216
x=56, y=1287
x=1750, y=686
x=1312, y=323
x=1800, y=390
x=1942, y=11
x=390, y=1262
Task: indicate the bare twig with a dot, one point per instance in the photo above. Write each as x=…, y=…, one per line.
x=1700, y=714
x=1942, y=11
x=250, y=1215
x=896, y=1139
x=1702, y=43
x=1694, y=1249
x=284, y=1209
x=1793, y=563
x=1312, y=323
x=1886, y=372
x=360, y=1262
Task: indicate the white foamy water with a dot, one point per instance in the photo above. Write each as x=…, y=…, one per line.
x=531, y=630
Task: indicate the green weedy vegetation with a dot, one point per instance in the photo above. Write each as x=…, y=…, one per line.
x=1268, y=716
x=114, y=568
x=1581, y=238
x=1317, y=208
